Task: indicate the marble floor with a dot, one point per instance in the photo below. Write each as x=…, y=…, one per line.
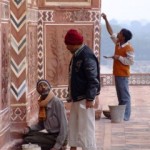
x=129, y=135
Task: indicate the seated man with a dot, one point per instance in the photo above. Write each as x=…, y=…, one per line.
x=52, y=120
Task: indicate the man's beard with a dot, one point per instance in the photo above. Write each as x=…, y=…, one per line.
x=45, y=94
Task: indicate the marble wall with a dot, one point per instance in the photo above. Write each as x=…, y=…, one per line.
x=4, y=72
x=32, y=61
x=24, y=18
x=32, y=47
x=54, y=20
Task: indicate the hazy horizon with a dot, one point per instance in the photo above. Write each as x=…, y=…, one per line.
x=128, y=10
x=125, y=22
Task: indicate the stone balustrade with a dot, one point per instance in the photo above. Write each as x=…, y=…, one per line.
x=137, y=79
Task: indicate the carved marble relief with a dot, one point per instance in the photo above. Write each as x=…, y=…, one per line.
x=73, y=16
x=32, y=15
x=57, y=56
x=4, y=11
x=32, y=57
x=33, y=2
x=4, y=65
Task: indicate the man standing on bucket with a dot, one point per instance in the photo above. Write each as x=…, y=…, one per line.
x=84, y=85
x=123, y=58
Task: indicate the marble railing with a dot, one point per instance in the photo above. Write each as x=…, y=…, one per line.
x=135, y=79
x=142, y=79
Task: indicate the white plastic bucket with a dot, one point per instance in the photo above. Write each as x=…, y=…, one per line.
x=117, y=113
x=30, y=147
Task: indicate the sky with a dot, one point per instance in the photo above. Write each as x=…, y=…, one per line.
x=123, y=10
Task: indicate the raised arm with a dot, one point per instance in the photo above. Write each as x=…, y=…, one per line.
x=108, y=26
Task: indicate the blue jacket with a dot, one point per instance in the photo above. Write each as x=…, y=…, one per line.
x=84, y=75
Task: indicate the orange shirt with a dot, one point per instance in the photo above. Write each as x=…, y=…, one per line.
x=120, y=69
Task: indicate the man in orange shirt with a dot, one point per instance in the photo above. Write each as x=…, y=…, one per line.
x=123, y=58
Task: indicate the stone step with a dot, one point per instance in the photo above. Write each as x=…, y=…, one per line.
x=15, y=144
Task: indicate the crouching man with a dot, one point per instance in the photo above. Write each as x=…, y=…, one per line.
x=51, y=131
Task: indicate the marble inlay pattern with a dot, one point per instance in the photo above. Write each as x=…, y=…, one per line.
x=48, y=17
x=61, y=92
x=18, y=113
x=18, y=49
